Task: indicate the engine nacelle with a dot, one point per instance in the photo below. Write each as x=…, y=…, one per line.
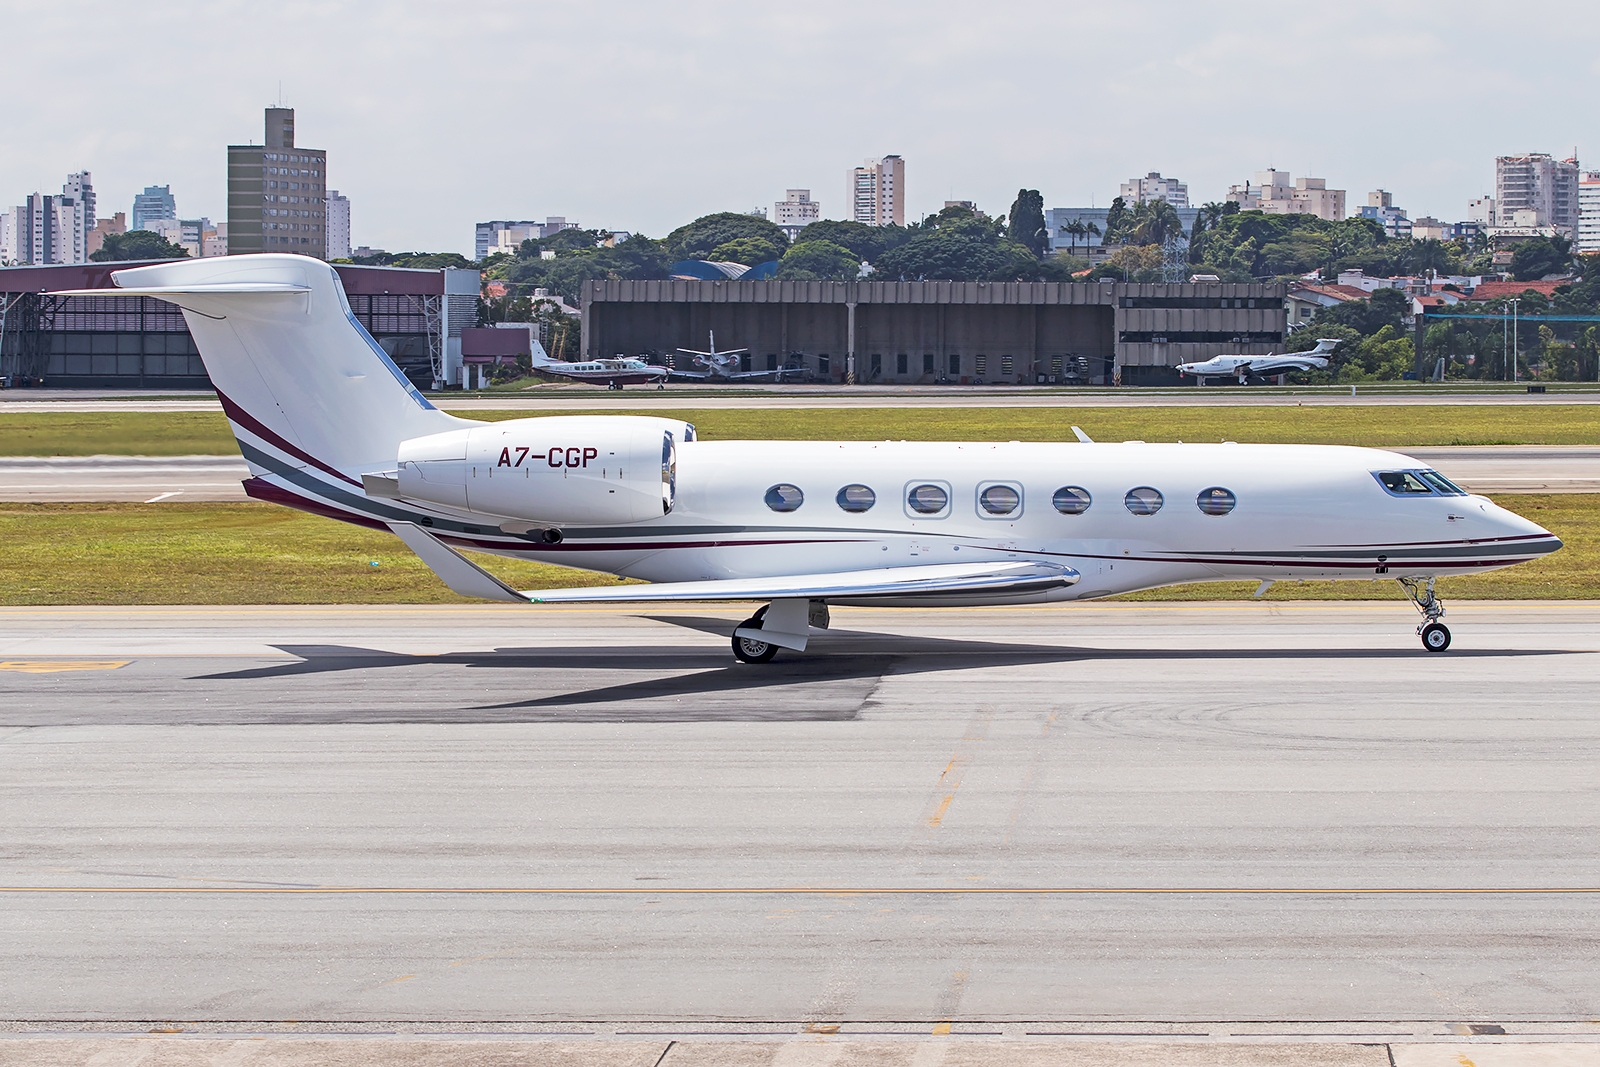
x=554, y=471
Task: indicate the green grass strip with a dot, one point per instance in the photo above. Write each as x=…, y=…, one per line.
x=206, y=433
x=262, y=554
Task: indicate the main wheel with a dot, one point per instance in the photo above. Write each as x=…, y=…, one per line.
x=1435, y=637
x=752, y=650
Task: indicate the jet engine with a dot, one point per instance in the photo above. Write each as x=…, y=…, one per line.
x=553, y=472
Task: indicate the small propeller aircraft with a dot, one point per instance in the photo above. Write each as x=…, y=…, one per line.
x=328, y=424
x=615, y=373
x=1268, y=366
x=724, y=366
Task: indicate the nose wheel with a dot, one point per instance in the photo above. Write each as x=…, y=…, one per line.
x=1435, y=634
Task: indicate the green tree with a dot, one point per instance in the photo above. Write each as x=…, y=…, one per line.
x=1540, y=256
x=824, y=261
x=137, y=244
x=746, y=250
x=1116, y=219
x=1152, y=222
x=1383, y=310
x=1027, y=222
x=697, y=239
x=969, y=249
x=866, y=242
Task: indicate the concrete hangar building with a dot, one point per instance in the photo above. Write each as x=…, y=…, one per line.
x=908, y=332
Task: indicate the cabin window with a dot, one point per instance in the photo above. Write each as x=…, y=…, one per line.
x=856, y=498
x=1403, y=483
x=1143, y=500
x=1072, y=500
x=1216, y=500
x=999, y=501
x=927, y=499
x=785, y=497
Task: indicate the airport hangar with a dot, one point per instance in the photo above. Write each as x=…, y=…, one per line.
x=910, y=332
x=136, y=342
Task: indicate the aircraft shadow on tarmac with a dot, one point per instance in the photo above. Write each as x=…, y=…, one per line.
x=831, y=680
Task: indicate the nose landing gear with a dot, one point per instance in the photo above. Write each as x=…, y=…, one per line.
x=1435, y=634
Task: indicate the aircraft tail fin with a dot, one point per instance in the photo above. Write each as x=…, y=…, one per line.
x=301, y=381
x=1325, y=346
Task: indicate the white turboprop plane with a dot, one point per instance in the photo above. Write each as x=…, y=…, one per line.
x=614, y=373
x=329, y=425
x=1246, y=367
x=724, y=366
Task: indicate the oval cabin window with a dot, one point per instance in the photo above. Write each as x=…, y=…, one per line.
x=1143, y=500
x=785, y=497
x=927, y=499
x=1072, y=500
x=1216, y=500
x=999, y=500
x=856, y=498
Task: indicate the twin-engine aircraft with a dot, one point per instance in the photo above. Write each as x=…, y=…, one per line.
x=615, y=373
x=330, y=425
x=724, y=366
x=1274, y=365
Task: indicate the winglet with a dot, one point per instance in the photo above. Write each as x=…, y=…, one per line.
x=457, y=571
x=1083, y=438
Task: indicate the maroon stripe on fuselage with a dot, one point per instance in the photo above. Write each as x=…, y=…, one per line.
x=250, y=422
x=261, y=489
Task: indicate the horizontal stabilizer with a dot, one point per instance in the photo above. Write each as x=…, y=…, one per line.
x=198, y=289
x=457, y=571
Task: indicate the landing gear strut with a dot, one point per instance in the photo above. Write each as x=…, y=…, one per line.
x=1435, y=634
x=752, y=649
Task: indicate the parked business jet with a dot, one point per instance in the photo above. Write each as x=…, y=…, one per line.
x=614, y=373
x=328, y=424
x=1246, y=367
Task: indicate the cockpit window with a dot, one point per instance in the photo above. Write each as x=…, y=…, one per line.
x=1403, y=483
x=1441, y=484
x=785, y=497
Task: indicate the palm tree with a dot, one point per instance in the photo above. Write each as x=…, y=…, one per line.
x=1074, y=230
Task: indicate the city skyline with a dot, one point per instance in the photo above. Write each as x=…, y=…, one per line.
x=1208, y=99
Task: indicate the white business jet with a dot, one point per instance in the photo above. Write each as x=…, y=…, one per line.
x=614, y=373
x=329, y=425
x=1246, y=367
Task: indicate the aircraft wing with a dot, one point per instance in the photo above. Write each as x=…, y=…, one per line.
x=939, y=579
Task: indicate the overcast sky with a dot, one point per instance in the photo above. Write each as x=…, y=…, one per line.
x=641, y=116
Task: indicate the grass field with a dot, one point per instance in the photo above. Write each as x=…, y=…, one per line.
x=263, y=554
x=201, y=433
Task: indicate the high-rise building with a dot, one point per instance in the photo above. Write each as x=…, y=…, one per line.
x=156, y=202
x=1481, y=211
x=277, y=193
x=1380, y=208
x=80, y=187
x=1589, y=212
x=51, y=230
x=877, y=192
x=8, y=237
x=338, y=225
x=1154, y=187
x=1539, y=183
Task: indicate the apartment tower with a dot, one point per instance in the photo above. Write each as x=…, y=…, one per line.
x=1536, y=182
x=877, y=192
x=277, y=193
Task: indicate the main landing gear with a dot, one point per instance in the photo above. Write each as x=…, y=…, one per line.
x=748, y=649
x=785, y=623
x=1435, y=634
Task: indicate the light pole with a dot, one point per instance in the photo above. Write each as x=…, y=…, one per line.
x=1514, y=304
